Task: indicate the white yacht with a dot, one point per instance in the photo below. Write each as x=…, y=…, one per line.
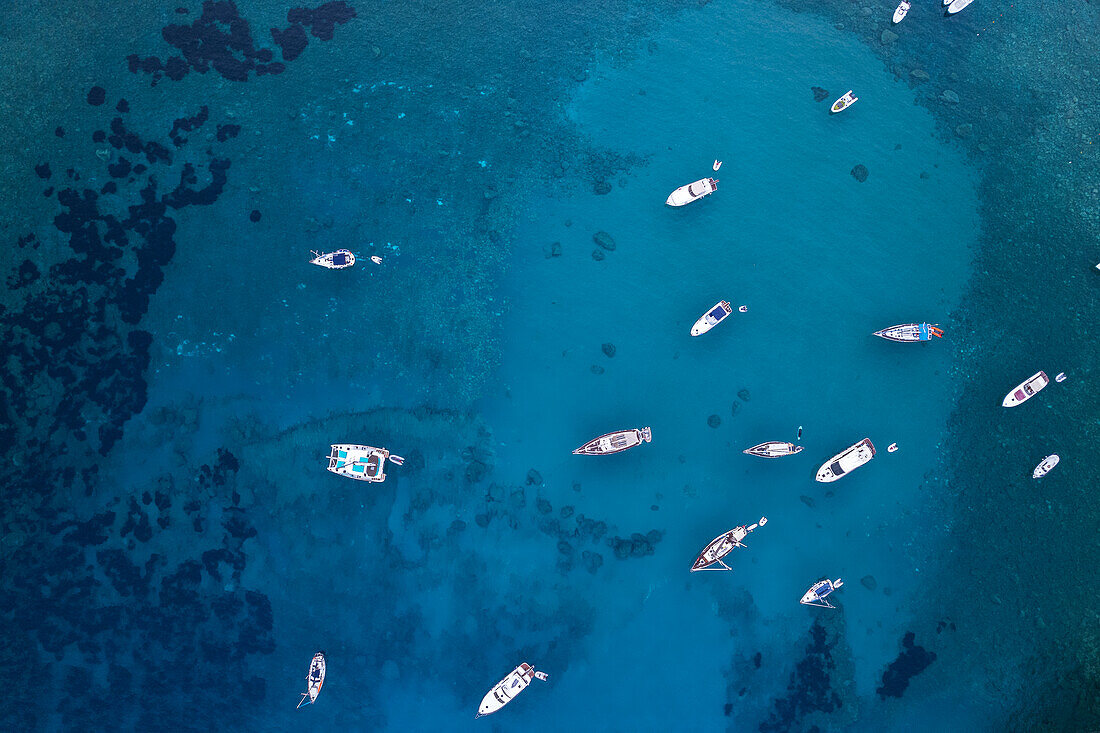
x=692, y=192
x=773, y=449
x=337, y=260
x=1047, y=464
x=901, y=11
x=507, y=689
x=816, y=595
x=315, y=679
x=361, y=462
x=712, y=318
x=723, y=545
x=1026, y=389
x=615, y=442
x=846, y=461
x=956, y=5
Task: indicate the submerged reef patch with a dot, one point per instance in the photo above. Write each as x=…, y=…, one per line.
x=910, y=662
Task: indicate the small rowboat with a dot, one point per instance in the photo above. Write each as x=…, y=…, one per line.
x=901, y=11
x=911, y=332
x=692, y=192
x=615, y=442
x=956, y=6
x=773, y=449
x=846, y=461
x=361, y=462
x=337, y=260
x=314, y=680
x=723, y=545
x=1026, y=389
x=712, y=318
x=507, y=689
x=815, y=596
x=844, y=102
x=1044, y=468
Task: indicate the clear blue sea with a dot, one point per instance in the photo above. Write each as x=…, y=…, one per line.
x=175, y=370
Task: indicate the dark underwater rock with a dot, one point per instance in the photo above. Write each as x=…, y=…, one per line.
x=868, y=582
x=596, y=369
x=810, y=689
x=860, y=173
x=714, y=421
x=734, y=408
x=910, y=662
x=807, y=500
x=608, y=350
x=602, y=188
x=544, y=506
x=604, y=240
x=598, y=255
x=553, y=250
x=255, y=216
x=743, y=394
x=820, y=95
x=534, y=478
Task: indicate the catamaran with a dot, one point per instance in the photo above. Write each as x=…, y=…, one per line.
x=1026, y=389
x=723, y=545
x=712, y=318
x=844, y=102
x=314, y=680
x=337, y=260
x=507, y=689
x=615, y=442
x=1044, y=467
x=846, y=461
x=816, y=595
x=692, y=192
x=361, y=462
x=773, y=449
x=909, y=332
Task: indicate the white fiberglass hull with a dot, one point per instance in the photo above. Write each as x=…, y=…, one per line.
x=1026, y=389
x=901, y=12
x=846, y=461
x=1044, y=468
x=957, y=5
x=715, y=315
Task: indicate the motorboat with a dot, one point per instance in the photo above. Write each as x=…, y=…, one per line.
x=956, y=5
x=506, y=690
x=901, y=11
x=910, y=332
x=337, y=260
x=723, y=545
x=773, y=449
x=818, y=592
x=315, y=679
x=1026, y=389
x=692, y=192
x=361, y=462
x=846, y=461
x=712, y=318
x=615, y=442
x=844, y=102
x=1044, y=468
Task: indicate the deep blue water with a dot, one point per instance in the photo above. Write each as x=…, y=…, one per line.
x=174, y=369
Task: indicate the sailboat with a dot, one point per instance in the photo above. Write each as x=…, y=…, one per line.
x=773, y=449
x=723, y=545
x=615, y=442
x=506, y=690
x=361, y=462
x=337, y=260
x=910, y=332
x=314, y=680
x=816, y=595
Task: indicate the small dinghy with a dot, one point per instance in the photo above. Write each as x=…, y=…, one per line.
x=816, y=595
x=615, y=442
x=723, y=545
x=773, y=449
x=1026, y=389
x=361, y=462
x=692, y=192
x=314, y=680
x=901, y=11
x=507, y=689
x=337, y=260
x=712, y=318
x=956, y=5
x=910, y=332
x=1044, y=468
x=844, y=102
x=846, y=461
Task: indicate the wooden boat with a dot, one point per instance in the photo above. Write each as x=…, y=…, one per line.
x=692, y=192
x=723, y=545
x=773, y=449
x=361, y=462
x=506, y=690
x=337, y=260
x=615, y=442
x=844, y=102
x=712, y=318
x=911, y=332
x=1026, y=389
x=1044, y=468
x=956, y=6
x=315, y=679
x=846, y=461
x=901, y=11
x=816, y=595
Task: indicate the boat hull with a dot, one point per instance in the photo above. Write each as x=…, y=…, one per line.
x=723, y=545
x=715, y=315
x=338, y=260
x=506, y=690
x=1045, y=467
x=773, y=449
x=315, y=679
x=846, y=461
x=359, y=462
x=910, y=332
x=819, y=592
x=615, y=442
x=956, y=6
x=1026, y=389
x=900, y=13
x=694, y=191
x=844, y=102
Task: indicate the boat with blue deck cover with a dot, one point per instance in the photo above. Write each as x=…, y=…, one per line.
x=337, y=260
x=712, y=318
x=315, y=679
x=911, y=332
x=816, y=595
x=361, y=462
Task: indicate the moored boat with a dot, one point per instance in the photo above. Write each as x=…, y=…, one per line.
x=816, y=595
x=315, y=679
x=692, y=192
x=844, y=102
x=506, y=690
x=615, y=442
x=337, y=260
x=901, y=11
x=723, y=545
x=773, y=449
x=711, y=318
x=1044, y=467
x=956, y=5
x=1026, y=389
x=361, y=462
x=846, y=461
x=910, y=332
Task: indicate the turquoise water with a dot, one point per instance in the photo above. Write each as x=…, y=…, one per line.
x=173, y=544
